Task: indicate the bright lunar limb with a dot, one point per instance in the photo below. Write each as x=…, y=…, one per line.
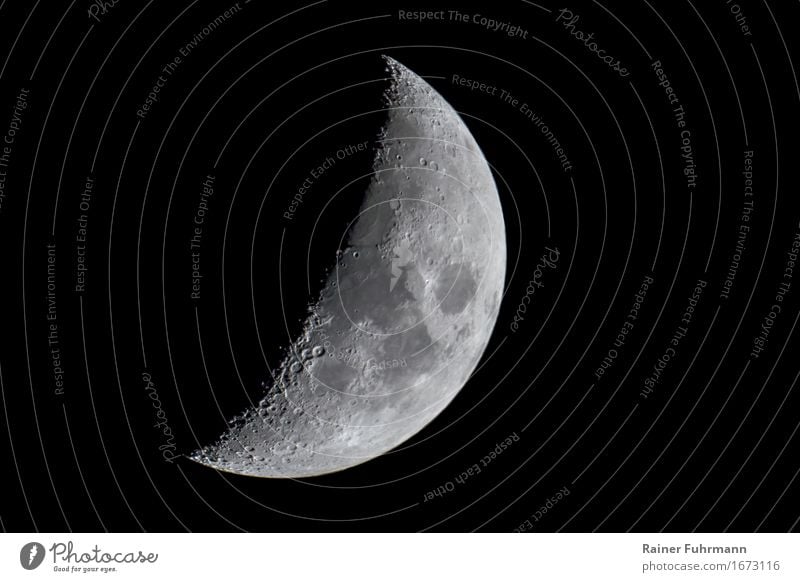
x=405, y=314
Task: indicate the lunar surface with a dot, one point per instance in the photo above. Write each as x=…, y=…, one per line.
x=406, y=311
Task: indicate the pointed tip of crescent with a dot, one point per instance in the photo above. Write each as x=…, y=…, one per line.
x=391, y=61
x=406, y=88
x=398, y=69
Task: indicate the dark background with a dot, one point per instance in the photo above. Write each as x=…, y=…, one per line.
x=264, y=99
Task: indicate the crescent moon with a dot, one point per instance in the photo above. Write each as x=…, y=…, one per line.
x=405, y=314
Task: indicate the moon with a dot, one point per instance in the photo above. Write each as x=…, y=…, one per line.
x=406, y=311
